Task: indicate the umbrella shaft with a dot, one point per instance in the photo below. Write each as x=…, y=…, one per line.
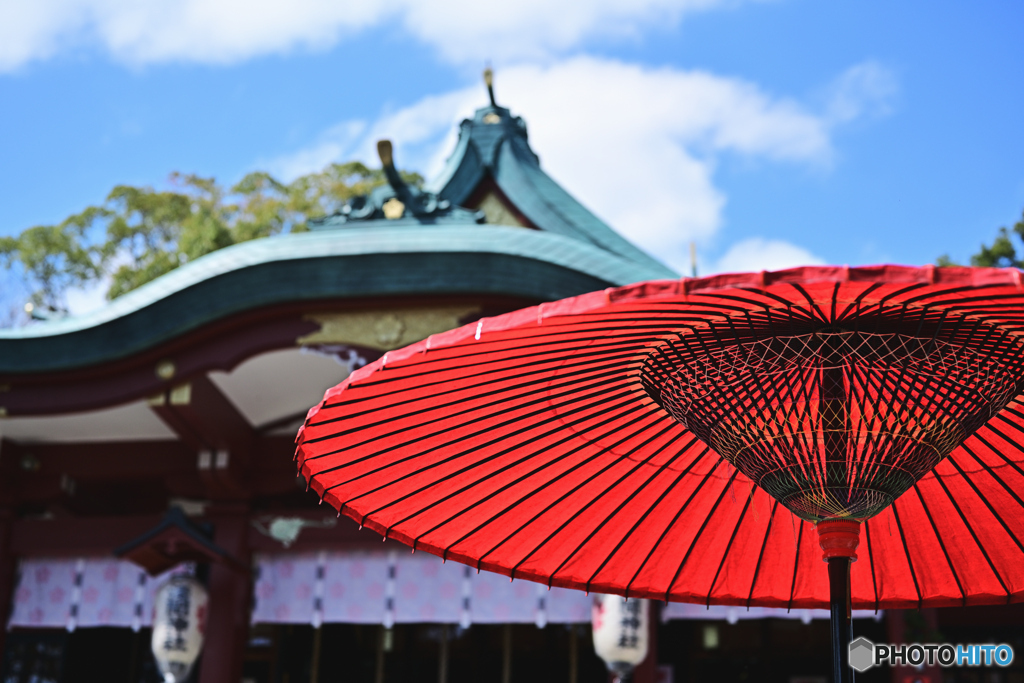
x=842, y=628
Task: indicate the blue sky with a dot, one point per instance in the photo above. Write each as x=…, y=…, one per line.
x=772, y=132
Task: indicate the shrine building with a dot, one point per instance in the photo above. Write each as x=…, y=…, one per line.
x=157, y=434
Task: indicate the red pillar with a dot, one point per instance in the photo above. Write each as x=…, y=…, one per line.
x=7, y=573
x=896, y=626
x=228, y=621
x=647, y=672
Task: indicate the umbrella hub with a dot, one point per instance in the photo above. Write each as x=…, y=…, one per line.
x=836, y=418
x=838, y=538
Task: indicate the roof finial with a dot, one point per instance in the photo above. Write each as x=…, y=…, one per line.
x=387, y=160
x=385, y=154
x=489, y=81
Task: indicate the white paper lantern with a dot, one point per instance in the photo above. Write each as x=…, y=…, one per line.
x=620, y=632
x=179, y=622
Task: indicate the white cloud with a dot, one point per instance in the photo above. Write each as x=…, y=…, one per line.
x=637, y=145
x=469, y=30
x=225, y=31
x=150, y=31
x=864, y=90
x=757, y=253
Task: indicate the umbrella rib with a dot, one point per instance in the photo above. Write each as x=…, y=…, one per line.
x=502, y=470
x=945, y=552
x=675, y=518
x=715, y=302
x=835, y=295
x=567, y=348
x=796, y=564
x=597, y=454
x=601, y=525
x=522, y=526
x=991, y=470
x=936, y=293
x=471, y=449
x=871, y=562
x=1014, y=407
x=638, y=464
x=558, y=337
x=728, y=546
x=898, y=294
x=612, y=367
x=859, y=299
x=1009, y=463
x=668, y=489
x=562, y=345
x=570, y=385
x=527, y=428
x=984, y=500
x=810, y=300
x=525, y=476
x=563, y=338
x=696, y=537
x=577, y=367
x=538, y=399
x=421, y=470
x=760, y=555
x=754, y=305
x=910, y=561
x=773, y=297
x=931, y=294
x=977, y=541
x=1011, y=408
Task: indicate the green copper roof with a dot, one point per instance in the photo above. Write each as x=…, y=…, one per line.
x=435, y=248
x=494, y=144
x=384, y=258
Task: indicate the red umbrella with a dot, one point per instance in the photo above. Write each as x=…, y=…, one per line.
x=652, y=440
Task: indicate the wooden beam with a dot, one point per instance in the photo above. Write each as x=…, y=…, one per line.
x=135, y=477
x=130, y=459
x=76, y=536
x=207, y=421
x=111, y=460
x=84, y=536
x=203, y=417
x=220, y=345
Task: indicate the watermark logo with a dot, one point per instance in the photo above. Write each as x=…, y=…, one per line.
x=864, y=654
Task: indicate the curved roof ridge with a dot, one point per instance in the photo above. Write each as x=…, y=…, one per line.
x=372, y=240
x=495, y=144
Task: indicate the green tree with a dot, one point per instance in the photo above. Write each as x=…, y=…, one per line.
x=138, y=233
x=54, y=258
x=1002, y=253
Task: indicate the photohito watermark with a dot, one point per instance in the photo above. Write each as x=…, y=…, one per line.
x=864, y=654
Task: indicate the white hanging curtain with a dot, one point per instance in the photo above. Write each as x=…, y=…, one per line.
x=355, y=587
x=84, y=592
x=387, y=587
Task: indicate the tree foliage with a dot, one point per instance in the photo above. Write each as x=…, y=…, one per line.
x=1000, y=254
x=138, y=233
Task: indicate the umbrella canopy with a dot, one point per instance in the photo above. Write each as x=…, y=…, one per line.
x=678, y=440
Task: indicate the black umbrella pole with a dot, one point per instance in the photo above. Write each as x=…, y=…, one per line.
x=842, y=628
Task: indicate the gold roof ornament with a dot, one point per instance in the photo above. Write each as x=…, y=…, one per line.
x=489, y=82
x=393, y=209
